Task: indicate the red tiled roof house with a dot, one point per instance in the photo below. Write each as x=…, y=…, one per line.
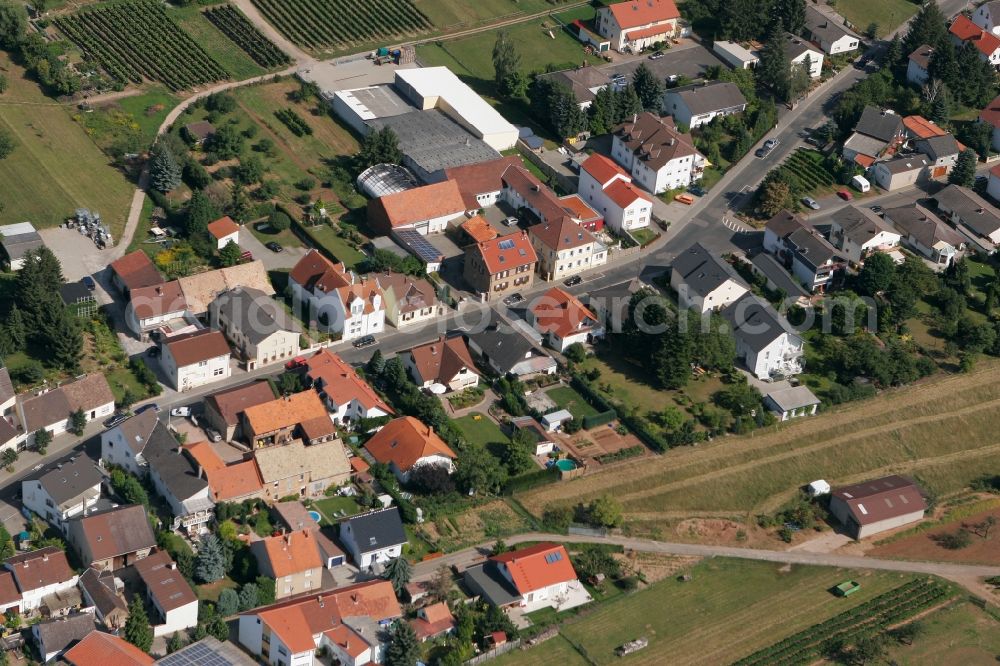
x=445, y=362
x=638, y=24
x=335, y=298
x=535, y=577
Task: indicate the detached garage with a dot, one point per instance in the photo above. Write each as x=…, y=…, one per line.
x=876, y=506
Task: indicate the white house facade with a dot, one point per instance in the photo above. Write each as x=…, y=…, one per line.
x=609, y=190
x=637, y=24
x=656, y=154
x=195, y=359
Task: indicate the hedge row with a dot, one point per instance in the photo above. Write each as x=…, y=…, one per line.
x=638, y=427
x=594, y=420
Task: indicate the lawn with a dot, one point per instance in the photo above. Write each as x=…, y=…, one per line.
x=888, y=14
x=941, y=432
x=211, y=591
x=471, y=57
x=148, y=109
x=567, y=398
x=644, y=235
x=40, y=183
x=483, y=431
x=450, y=15
x=728, y=610
x=556, y=650
x=330, y=507
x=232, y=58
x=129, y=124
x=327, y=237
x=958, y=634
x=265, y=234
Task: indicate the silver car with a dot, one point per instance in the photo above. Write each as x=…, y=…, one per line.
x=811, y=203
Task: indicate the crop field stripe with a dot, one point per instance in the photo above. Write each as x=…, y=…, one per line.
x=343, y=23
x=137, y=39
x=245, y=35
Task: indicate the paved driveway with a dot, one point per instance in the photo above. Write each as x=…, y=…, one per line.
x=77, y=253
x=689, y=60
x=271, y=260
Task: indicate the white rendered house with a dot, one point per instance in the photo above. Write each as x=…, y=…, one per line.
x=608, y=189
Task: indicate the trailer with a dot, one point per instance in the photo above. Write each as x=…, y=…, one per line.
x=847, y=588
x=631, y=647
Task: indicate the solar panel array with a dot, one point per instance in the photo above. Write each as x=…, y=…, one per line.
x=197, y=654
x=552, y=558
x=419, y=246
x=506, y=244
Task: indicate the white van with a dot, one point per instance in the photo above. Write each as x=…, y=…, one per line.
x=861, y=183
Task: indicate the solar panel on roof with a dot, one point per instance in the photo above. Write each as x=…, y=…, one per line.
x=196, y=654
x=506, y=244
x=419, y=245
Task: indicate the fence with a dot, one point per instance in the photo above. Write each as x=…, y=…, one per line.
x=494, y=653
x=584, y=530
x=594, y=420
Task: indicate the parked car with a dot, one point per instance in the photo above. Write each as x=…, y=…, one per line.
x=152, y=405
x=366, y=341
x=697, y=190
x=180, y=411
x=213, y=435
x=513, y=299
x=770, y=144
x=115, y=419
x=761, y=153
x=657, y=55
x=845, y=195
x=510, y=221
x=296, y=362
x=811, y=203
x=672, y=79
x=89, y=283
x=246, y=257
x=573, y=281
x=273, y=246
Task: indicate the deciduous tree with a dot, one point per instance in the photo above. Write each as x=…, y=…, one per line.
x=7, y=143
x=379, y=147
x=230, y=254
x=507, y=67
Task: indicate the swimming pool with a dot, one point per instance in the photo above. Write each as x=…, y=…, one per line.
x=566, y=465
x=315, y=516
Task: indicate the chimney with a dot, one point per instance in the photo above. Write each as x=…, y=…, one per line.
x=172, y=566
x=635, y=116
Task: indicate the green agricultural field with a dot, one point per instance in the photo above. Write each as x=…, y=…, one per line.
x=567, y=398
x=959, y=634
x=472, y=57
x=232, y=58
x=450, y=15
x=888, y=14
x=39, y=183
x=484, y=431
x=556, y=650
x=941, y=432
x=728, y=610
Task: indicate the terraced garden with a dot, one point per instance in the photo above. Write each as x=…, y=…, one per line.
x=244, y=34
x=341, y=24
x=136, y=40
x=807, y=166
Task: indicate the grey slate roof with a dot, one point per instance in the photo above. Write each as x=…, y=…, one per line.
x=497, y=589
x=904, y=163
x=925, y=227
x=64, y=483
x=75, y=292
x=922, y=55
x=975, y=212
x=811, y=248
x=702, y=271
x=793, y=397
x=377, y=530
x=6, y=386
x=581, y=80
x=178, y=473
x=254, y=313
x=100, y=587
x=859, y=224
x=822, y=27
x=137, y=429
x=755, y=322
x=57, y=635
x=19, y=245
x=880, y=124
x=939, y=146
x=432, y=141
x=795, y=46
x=705, y=98
x=502, y=343
x=765, y=264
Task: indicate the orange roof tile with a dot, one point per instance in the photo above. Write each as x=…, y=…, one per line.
x=537, y=567
x=603, y=169
x=347, y=640
x=404, y=441
x=223, y=227
x=640, y=12
x=559, y=312
x=921, y=127
x=231, y=402
x=480, y=178
x=864, y=160
x=625, y=194
x=991, y=114
x=505, y=253
x=479, y=229
x=442, y=359
x=295, y=409
x=225, y=481
x=291, y=553
x=359, y=465
x=136, y=270
x=406, y=208
x=101, y=649
x=341, y=383
x=296, y=621
x=578, y=208
x=436, y=619
x=964, y=29
x=651, y=31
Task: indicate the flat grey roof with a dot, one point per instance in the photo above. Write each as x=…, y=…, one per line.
x=793, y=397
x=381, y=101
x=432, y=141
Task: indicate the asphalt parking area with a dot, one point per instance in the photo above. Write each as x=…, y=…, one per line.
x=690, y=61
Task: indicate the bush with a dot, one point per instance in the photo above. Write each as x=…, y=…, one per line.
x=279, y=220
x=957, y=540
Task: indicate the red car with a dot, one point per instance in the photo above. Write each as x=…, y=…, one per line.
x=845, y=195
x=296, y=362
